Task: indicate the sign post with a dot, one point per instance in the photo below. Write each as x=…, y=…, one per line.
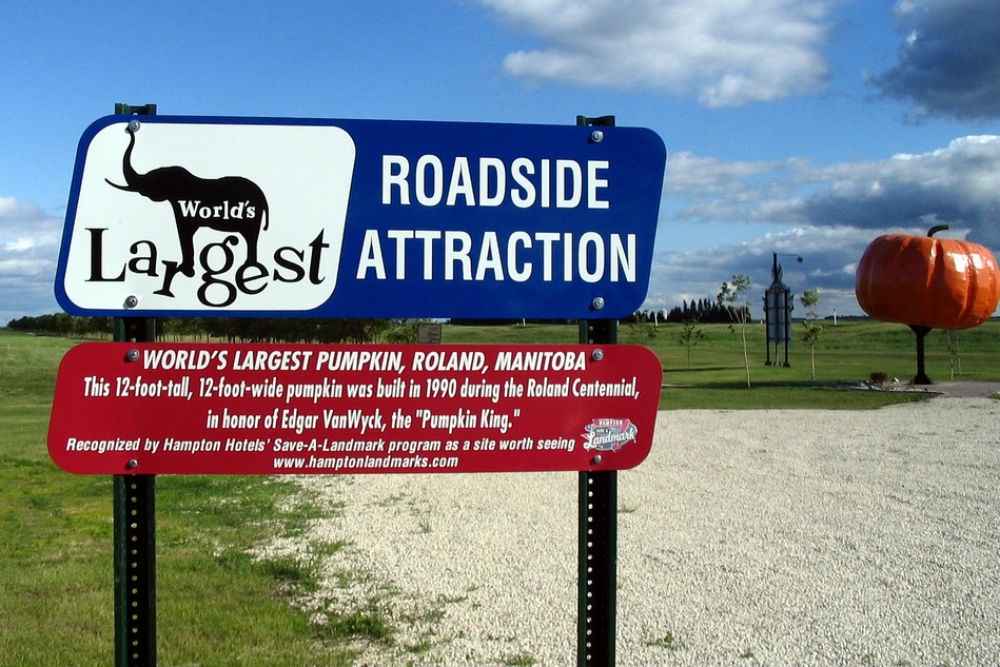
x=597, y=561
x=134, y=515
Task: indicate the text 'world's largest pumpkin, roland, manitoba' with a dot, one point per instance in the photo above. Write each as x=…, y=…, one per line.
x=928, y=282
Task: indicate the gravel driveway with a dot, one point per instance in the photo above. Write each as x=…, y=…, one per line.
x=747, y=537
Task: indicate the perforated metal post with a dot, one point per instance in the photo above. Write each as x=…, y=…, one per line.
x=598, y=526
x=135, y=570
x=135, y=545
x=135, y=525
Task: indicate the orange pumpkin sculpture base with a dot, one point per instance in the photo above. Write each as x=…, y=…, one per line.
x=927, y=283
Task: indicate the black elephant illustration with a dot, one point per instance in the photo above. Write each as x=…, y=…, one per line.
x=229, y=204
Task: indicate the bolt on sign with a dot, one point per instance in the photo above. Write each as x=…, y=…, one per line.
x=121, y=408
x=195, y=216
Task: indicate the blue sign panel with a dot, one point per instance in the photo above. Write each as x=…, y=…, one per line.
x=192, y=216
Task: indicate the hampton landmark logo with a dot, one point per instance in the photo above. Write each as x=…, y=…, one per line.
x=609, y=435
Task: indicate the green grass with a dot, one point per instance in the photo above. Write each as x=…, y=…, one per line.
x=716, y=378
x=669, y=641
x=217, y=604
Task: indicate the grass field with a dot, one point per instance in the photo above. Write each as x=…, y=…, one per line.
x=218, y=605
x=716, y=378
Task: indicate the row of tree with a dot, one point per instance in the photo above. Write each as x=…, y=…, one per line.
x=233, y=330
x=709, y=311
x=309, y=330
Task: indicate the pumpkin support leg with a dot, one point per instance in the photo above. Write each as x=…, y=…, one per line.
x=921, y=333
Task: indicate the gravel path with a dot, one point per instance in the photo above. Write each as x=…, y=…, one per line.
x=747, y=537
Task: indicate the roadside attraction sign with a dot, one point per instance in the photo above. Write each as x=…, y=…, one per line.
x=148, y=409
x=202, y=216
x=173, y=216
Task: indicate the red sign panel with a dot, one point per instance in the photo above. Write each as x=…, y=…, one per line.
x=126, y=408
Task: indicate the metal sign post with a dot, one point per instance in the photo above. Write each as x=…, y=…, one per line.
x=135, y=570
x=135, y=545
x=598, y=526
x=135, y=525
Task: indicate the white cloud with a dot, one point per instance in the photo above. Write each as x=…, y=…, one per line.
x=691, y=174
x=829, y=214
x=957, y=185
x=20, y=245
x=26, y=267
x=829, y=255
x=12, y=210
x=949, y=60
x=713, y=189
x=29, y=249
x=727, y=52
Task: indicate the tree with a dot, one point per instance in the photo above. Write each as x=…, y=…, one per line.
x=812, y=330
x=689, y=336
x=733, y=298
x=954, y=352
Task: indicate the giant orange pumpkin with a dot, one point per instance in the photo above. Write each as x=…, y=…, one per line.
x=928, y=282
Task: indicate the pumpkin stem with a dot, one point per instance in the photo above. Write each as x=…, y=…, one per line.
x=935, y=229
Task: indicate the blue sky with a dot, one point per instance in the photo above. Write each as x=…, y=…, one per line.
x=803, y=127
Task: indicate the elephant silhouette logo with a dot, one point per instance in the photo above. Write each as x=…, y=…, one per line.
x=231, y=204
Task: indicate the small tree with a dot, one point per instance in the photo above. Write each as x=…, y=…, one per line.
x=689, y=336
x=954, y=352
x=642, y=329
x=733, y=298
x=812, y=330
